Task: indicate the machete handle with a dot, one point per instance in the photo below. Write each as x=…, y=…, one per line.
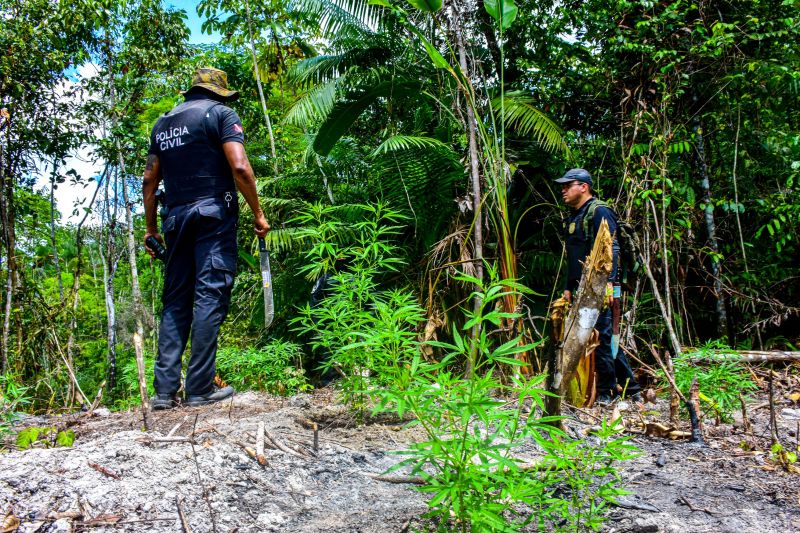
x=157, y=247
x=262, y=245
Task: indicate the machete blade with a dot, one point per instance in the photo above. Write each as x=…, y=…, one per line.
x=266, y=282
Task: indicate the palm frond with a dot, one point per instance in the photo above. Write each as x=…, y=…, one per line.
x=518, y=111
x=420, y=182
x=277, y=203
x=340, y=17
x=314, y=105
x=398, y=143
x=347, y=110
x=320, y=69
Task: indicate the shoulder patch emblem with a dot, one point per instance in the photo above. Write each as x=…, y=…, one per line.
x=571, y=228
x=238, y=128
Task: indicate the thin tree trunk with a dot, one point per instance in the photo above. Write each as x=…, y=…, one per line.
x=110, y=262
x=738, y=218
x=676, y=345
x=53, y=230
x=722, y=318
x=138, y=308
x=76, y=281
x=261, y=90
x=7, y=208
x=475, y=173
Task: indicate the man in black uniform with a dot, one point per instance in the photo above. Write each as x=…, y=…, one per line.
x=197, y=150
x=613, y=369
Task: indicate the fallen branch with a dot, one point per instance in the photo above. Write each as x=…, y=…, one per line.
x=413, y=480
x=181, y=514
x=154, y=440
x=693, y=508
x=262, y=460
x=742, y=356
x=313, y=426
x=282, y=447
x=175, y=428
x=104, y=470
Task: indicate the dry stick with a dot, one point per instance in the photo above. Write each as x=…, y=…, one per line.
x=746, y=426
x=260, y=439
x=181, y=514
x=199, y=479
x=694, y=412
x=414, y=480
x=773, y=423
x=281, y=446
x=97, y=398
x=310, y=424
x=104, y=470
x=125, y=522
x=693, y=508
x=260, y=457
x=697, y=434
x=161, y=440
x=174, y=429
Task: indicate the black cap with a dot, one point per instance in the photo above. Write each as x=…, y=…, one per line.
x=576, y=174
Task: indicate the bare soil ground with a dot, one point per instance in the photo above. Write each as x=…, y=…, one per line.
x=114, y=479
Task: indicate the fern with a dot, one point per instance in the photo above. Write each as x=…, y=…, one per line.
x=517, y=109
x=398, y=143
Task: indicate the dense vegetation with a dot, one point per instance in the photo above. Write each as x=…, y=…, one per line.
x=406, y=148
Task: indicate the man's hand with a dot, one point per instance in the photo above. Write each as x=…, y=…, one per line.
x=260, y=224
x=157, y=237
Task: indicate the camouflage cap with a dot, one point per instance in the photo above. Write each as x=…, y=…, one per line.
x=214, y=80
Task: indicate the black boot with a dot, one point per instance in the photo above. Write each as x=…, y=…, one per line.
x=160, y=402
x=217, y=394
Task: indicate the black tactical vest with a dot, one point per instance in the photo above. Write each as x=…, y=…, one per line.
x=193, y=163
x=576, y=242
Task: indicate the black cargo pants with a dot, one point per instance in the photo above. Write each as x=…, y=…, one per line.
x=200, y=268
x=611, y=371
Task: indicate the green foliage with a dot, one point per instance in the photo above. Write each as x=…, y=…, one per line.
x=49, y=437
x=13, y=399
x=586, y=467
x=361, y=331
x=475, y=424
x=275, y=368
x=720, y=384
x=129, y=379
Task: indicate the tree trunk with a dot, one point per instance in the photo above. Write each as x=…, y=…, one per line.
x=9, y=234
x=257, y=74
x=582, y=317
x=475, y=173
x=722, y=317
x=138, y=308
x=110, y=262
x=53, y=230
x=76, y=281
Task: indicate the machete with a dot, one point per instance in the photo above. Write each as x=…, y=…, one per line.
x=266, y=281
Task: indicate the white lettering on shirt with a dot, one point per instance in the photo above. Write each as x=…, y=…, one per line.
x=172, y=137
